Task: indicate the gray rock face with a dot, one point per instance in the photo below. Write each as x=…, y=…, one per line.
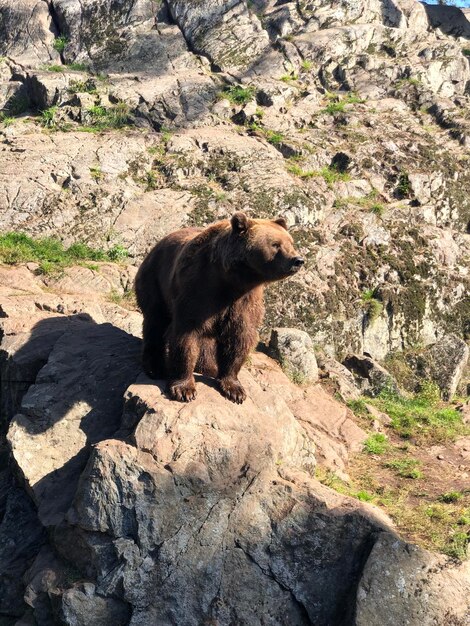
x=294, y=349
x=27, y=32
x=399, y=576
x=444, y=363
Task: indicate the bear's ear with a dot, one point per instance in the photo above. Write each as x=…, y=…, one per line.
x=281, y=221
x=240, y=222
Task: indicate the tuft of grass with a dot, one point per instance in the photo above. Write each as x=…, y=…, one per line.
x=48, y=117
x=54, y=68
x=60, y=43
x=50, y=253
x=451, y=496
x=287, y=78
x=337, y=104
x=371, y=305
x=95, y=172
x=273, y=137
x=403, y=189
x=78, y=67
x=238, y=94
x=82, y=86
x=295, y=169
x=332, y=175
x=377, y=209
x=406, y=468
x=377, y=443
x=306, y=65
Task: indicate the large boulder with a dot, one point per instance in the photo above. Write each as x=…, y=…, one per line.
x=294, y=350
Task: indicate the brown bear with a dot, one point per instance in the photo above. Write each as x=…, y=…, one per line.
x=201, y=294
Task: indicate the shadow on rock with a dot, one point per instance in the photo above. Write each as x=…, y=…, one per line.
x=76, y=401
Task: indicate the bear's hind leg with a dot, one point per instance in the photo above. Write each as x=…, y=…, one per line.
x=153, y=333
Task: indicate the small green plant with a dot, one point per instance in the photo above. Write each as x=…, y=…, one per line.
x=376, y=443
x=238, y=94
x=151, y=180
x=95, y=172
x=60, y=43
x=451, y=496
x=365, y=496
x=48, y=117
x=306, y=65
x=406, y=468
x=466, y=52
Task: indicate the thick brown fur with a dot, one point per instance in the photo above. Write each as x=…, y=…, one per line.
x=201, y=294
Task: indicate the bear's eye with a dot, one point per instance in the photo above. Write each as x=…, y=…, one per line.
x=276, y=246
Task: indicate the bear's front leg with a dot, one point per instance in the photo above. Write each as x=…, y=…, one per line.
x=232, y=352
x=183, y=353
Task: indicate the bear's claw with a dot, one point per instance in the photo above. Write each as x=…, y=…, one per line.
x=183, y=391
x=233, y=390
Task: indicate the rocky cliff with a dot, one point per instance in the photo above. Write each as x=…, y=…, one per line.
x=122, y=121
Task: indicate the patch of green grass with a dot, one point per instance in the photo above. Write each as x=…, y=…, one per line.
x=359, y=408
x=60, y=43
x=422, y=416
x=332, y=175
x=238, y=94
x=306, y=65
x=78, y=67
x=287, y=78
x=295, y=169
x=50, y=253
x=406, y=468
x=274, y=137
x=377, y=443
x=466, y=52
x=106, y=118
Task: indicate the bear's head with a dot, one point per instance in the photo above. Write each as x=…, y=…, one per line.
x=268, y=248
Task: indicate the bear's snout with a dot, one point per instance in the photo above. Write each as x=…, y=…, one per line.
x=296, y=264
